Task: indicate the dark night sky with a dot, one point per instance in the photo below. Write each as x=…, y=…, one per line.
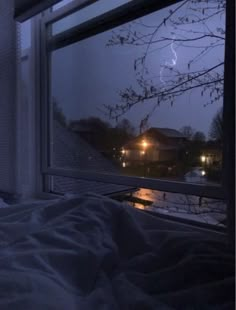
x=88, y=74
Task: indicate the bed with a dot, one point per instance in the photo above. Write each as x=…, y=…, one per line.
x=91, y=252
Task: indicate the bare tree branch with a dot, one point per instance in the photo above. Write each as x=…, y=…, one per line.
x=184, y=20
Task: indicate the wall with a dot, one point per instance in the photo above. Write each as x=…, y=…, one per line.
x=8, y=74
x=17, y=111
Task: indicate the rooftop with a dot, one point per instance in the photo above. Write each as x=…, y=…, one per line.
x=168, y=132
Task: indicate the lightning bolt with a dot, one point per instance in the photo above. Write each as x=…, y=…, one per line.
x=171, y=63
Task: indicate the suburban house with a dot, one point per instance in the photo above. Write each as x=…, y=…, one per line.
x=211, y=155
x=154, y=145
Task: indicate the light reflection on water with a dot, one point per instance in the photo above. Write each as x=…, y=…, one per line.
x=148, y=194
x=140, y=206
x=200, y=209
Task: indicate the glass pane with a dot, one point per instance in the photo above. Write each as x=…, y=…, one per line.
x=188, y=207
x=144, y=99
x=93, y=10
x=204, y=210
x=25, y=35
x=70, y=186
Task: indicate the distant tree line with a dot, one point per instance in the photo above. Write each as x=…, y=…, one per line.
x=102, y=135
x=109, y=139
x=215, y=132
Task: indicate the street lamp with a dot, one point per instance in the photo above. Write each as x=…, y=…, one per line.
x=144, y=153
x=144, y=144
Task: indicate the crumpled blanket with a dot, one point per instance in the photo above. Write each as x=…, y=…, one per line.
x=94, y=253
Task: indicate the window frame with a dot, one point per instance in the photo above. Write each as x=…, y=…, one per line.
x=118, y=16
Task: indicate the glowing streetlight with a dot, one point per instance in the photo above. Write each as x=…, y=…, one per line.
x=144, y=144
x=203, y=159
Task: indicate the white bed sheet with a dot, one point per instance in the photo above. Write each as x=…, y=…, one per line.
x=94, y=253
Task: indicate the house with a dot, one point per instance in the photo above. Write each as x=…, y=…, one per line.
x=154, y=145
x=211, y=154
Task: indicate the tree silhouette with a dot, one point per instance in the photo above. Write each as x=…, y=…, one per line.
x=58, y=114
x=192, y=24
x=101, y=134
x=216, y=129
x=126, y=126
x=187, y=131
x=199, y=136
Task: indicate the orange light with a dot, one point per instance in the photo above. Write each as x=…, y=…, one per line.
x=144, y=144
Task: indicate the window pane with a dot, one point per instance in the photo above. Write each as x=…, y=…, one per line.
x=65, y=185
x=93, y=10
x=25, y=35
x=204, y=210
x=187, y=207
x=144, y=99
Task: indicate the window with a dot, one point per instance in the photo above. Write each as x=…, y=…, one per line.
x=193, y=208
x=136, y=98
x=25, y=30
x=61, y=4
x=77, y=18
